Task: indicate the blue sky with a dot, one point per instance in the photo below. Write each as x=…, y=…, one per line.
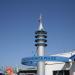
x=19, y=21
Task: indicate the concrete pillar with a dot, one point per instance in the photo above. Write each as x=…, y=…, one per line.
x=40, y=65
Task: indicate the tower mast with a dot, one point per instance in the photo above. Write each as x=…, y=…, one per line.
x=40, y=44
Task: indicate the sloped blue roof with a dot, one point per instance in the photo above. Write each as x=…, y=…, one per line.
x=72, y=57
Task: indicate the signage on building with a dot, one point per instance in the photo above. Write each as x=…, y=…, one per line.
x=33, y=60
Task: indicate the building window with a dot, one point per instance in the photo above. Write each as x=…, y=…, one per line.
x=61, y=72
x=27, y=72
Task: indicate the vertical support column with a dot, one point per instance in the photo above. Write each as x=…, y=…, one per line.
x=40, y=64
x=40, y=44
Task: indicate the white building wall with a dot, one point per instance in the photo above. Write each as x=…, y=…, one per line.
x=50, y=67
x=54, y=66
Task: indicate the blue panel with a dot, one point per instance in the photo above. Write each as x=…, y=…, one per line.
x=32, y=61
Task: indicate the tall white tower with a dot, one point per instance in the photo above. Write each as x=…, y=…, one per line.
x=41, y=36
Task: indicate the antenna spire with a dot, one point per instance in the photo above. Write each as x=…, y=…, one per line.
x=41, y=23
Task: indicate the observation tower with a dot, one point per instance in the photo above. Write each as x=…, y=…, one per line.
x=40, y=40
x=39, y=60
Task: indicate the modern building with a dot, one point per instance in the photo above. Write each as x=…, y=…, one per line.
x=58, y=64
x=60, y=68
